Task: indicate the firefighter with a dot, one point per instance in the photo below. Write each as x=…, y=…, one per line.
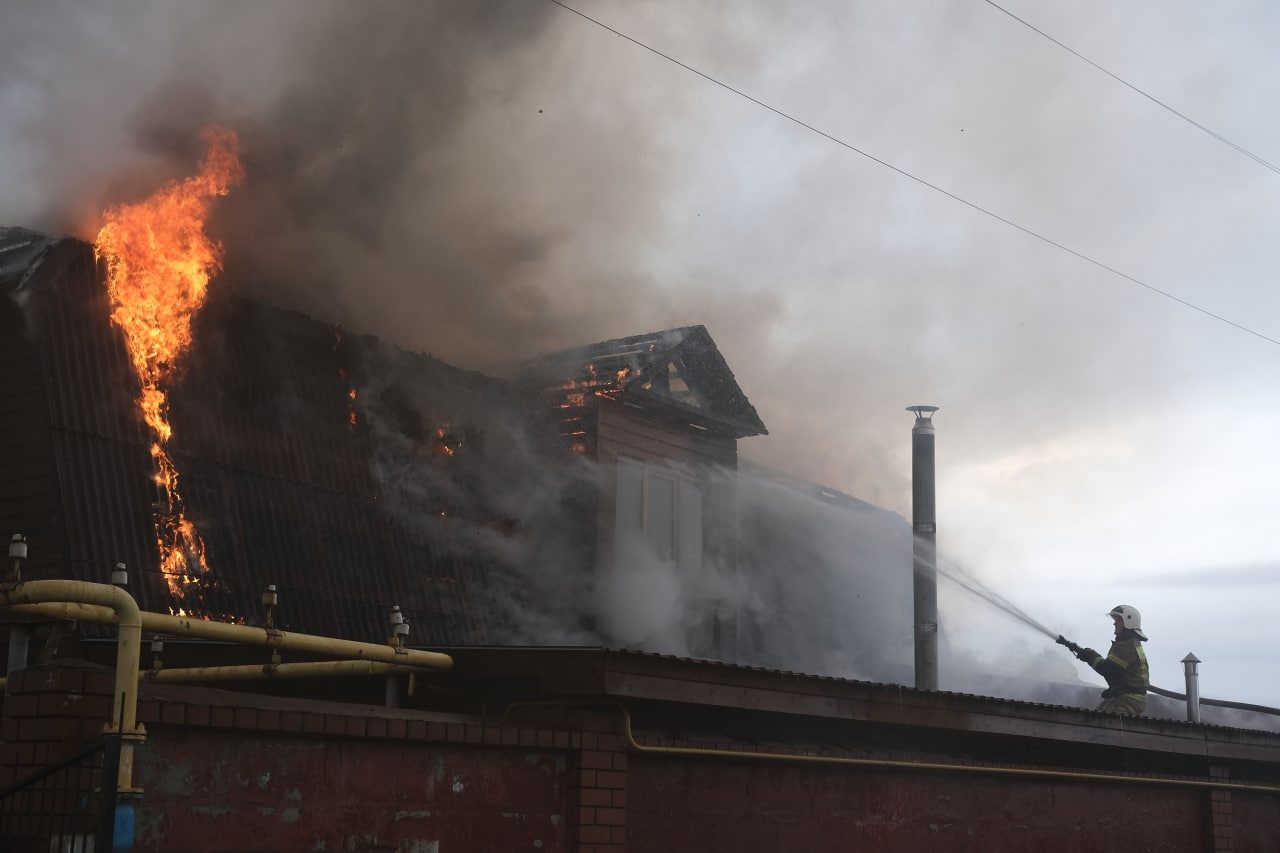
x=1124, y=667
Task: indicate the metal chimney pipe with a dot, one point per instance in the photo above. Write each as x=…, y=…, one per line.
x=924, y=529
x=1193, y=686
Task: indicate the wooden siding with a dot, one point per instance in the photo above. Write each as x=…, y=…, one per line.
x=624, y=431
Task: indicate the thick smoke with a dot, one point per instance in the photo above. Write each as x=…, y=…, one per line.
x=489, y=180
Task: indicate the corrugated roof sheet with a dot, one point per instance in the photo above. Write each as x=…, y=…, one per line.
x=346, y=519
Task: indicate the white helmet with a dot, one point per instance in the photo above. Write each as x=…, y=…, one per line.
x=1129, y=617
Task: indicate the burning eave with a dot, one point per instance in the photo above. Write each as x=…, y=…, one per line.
x=678, y=375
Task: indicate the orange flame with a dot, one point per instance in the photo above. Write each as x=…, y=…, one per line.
x=158, y=262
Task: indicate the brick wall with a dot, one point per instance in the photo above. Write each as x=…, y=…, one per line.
x=229, y=771
x=49, y=715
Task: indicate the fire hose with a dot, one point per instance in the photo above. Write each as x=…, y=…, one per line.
x=1181, y=697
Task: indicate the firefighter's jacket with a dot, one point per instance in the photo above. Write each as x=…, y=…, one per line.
x=1124, y=667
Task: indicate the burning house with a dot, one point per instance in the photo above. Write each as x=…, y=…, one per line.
x=399, y=605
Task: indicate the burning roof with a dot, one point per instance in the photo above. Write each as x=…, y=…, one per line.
x=678, y=371
x=350, y=473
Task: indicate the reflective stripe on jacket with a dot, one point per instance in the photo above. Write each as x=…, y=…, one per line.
x=1124, y=667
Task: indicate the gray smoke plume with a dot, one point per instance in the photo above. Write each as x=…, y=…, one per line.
x=488, y=180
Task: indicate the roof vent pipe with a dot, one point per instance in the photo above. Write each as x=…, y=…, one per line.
x=1193, y=686
x=924, y=530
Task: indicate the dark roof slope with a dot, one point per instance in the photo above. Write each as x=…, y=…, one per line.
x=352, y=474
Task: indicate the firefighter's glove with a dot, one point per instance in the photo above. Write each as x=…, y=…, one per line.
x=1087, y=655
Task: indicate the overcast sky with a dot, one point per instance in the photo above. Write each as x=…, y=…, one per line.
x=486, y=181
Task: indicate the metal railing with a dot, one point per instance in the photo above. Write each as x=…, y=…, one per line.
x=68, y=807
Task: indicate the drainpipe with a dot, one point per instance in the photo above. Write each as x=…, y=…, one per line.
x=924, y=557
x=124, y=612
x=1193, y=686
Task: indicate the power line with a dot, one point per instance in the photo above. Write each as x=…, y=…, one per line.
x=919, y=180
x=1254, y=157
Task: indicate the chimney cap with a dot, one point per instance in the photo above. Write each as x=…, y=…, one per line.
x=922, y=411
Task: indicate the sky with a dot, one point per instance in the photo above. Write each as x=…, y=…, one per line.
x=487, y=181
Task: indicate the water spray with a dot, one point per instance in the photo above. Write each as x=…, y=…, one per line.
x=953, y=572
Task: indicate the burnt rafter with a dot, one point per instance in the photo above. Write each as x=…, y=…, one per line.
x=677, y=372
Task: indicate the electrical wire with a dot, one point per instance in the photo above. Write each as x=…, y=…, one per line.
x=1153, y=99
x=1025, y=230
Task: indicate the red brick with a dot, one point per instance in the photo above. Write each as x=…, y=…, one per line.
x=546, y=739
x=93, y=707
x=23, y=705
x=618, y=834
x=246, y=718
x=528, y=737
x=269, y=720
x=53, y=705
x=611, y=779
x=199, y=715
x=611, y=817
x=9, y=730
x=595, y=760
x=103, y=683
x=620, y=798
x=377, y=727
x=49, y=728
x=619, y=761
x=148, y=712
x=436, y=731
x=584, y=778
x=593, y=834
x=454, y=732
x=173, y=714
x=397, y=728
x=593, y=797
x=474, y=734
x=510, y=736
x=222, y=718
x=562, y=740
x=597, y=723
x=590, y=740
x=609, y=742
x=335, y=724
x=585, y=815
x=610, y=848
x=49, y=681
x=356, y=726
x=493, y=734
x=419, y=730
x=312, y=724
x=575, y=740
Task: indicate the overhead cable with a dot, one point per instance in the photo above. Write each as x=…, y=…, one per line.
x=1246, y=152
x=1029, y=232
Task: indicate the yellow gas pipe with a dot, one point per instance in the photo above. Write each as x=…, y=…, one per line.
x=271, y=671
x=105, y=604
x=124, y=612
x=248, y=635
x=634, y=745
